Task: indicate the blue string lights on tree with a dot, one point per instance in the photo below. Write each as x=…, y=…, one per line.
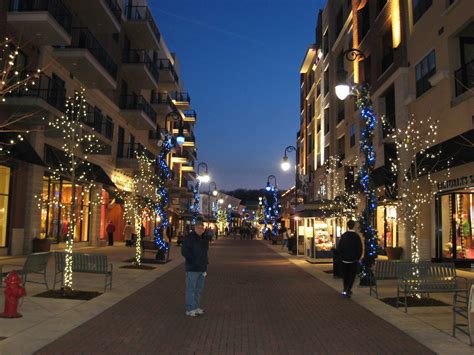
x=163, y=176
x=275, y=211
x=195, y=206
x=368, y=122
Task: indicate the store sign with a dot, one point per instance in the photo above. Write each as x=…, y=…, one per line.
x=122, y=181
x=462, y=181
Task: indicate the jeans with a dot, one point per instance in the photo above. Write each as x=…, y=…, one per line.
x=349, y=271
x=194, y=287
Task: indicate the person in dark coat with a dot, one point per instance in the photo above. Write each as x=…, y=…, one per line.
x=350, y=252
x=110, y=229
x=195, y=250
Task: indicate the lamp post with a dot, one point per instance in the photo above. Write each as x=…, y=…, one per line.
x=368, y=121
x=285, y=164
x=175, y=116
x=214, y=193
x=200, y=178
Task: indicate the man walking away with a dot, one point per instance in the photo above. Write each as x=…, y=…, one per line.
x=110, y=229
x=350, y=251
x=195, y=249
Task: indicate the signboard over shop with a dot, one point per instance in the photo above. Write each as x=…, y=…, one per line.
x=463, y=181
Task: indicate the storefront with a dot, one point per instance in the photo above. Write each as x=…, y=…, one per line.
x=387, y=226
x=4, y=203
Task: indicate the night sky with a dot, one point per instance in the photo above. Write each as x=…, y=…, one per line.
x=240, y=63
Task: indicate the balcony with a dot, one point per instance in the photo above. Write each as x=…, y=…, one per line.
x=100, y=123
x=190, y=116
x=464, y=78
x=40, y=97
x=127, y=154
x=161, y=102
x=88, y=61
x=138, y=112
x=139, y=70
x=141, y=28
x=169, y=79
x=190, y=142
x=154, y=135
x=44, y=22
x=104, y=15
x=181, y=99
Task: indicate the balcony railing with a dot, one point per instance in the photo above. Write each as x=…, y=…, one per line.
x=181, y=97
x=140, y=56
x=83, y=38
x=56, y=8
x=165, y=64
x=464, y=78
x=99, y=122
x=115, y=8
x=137, y=13
x=155, y=135
x=158, y=98
x=41, y=87
x=136, y=102
x=132, y=150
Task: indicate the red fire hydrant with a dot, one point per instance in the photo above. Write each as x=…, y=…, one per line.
x=13, y=292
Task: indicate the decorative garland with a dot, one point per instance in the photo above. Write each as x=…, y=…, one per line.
x=275, y=211
x=195, y=206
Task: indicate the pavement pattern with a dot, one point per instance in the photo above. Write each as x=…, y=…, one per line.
x=256, y=302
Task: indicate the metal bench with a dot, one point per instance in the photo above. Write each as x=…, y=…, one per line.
x=387, y=270
x=87, y=263
x=426, y=278
x=150, y=246
x=34, y=264
x=463, y=307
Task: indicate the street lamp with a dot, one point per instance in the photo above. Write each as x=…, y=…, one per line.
x=177, y=118
x=205, y=176
x=214, y=193
x=368, y=121
x=285, y=164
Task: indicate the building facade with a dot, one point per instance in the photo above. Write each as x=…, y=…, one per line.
x=418, y=63
x=116, y=53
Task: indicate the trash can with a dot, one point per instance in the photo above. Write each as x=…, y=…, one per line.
x=336, y=264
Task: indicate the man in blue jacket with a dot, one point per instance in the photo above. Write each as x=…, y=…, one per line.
x=350, y=251
x=194, y=250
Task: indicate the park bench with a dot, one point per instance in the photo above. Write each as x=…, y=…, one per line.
x=463, y=307
x=387, y=270
x=426, y=278
x=150, y=246
x=87, y=263
x=34, y=264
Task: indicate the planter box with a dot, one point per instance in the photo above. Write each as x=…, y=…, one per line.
x=394, y=253
x=324, y=254
x=41, y=245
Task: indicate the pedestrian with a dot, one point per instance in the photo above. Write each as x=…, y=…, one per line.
x=110, y=229
x=195, y=249
x=142, y=232
x=349, y=250
x=169, y=233
x=127, y=234
x=284, y=241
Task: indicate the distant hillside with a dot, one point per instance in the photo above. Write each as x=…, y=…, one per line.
x=247, y=195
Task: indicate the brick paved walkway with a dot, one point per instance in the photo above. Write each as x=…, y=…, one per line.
x=257, y=302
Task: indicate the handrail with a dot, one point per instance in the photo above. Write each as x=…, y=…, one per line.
x=165, y=64
x=115, y=9
x=137, y=13
x=464, y=77
x=135, y=56
x=137, y=102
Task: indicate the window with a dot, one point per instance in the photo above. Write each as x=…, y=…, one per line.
x=325, y=43
x=326, y=121
x=365, y=65
x=423, y=71
x=390, y=123
x=353, y=135
x=326, y=153
x=350, y=39
x=326, y=81
x=419, y=8
x=340, y=110
x=318, y=125
x=109, y=128
x=318, y=89
x=310, y=112
x=339, y=22
x=363, y=20
x=380, y=5
x=4, y=196
x=341, y=148
x=387, y=50
x=121, y=142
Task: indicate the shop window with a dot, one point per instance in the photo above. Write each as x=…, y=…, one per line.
x=4, y=195
x=424, y=70
x=457, y=214
x=387, y=227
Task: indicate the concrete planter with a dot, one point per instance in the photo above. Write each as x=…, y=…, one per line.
x=41, y=245
x=394, y=253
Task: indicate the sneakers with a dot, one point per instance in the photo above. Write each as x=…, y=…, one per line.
x=346, y=294
x=195, y=312
x=191, y=313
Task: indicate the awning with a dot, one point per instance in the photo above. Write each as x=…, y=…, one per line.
x=56, y=158
x=22, y=150
x=319, y=209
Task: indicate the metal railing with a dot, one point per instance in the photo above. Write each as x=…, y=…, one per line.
x=190, y=113
x=56, y=8
x=158, y=98
x=165, y=64
x=137, y=102
x=141, y=56
x=99, y=122
x=181, y=97
x=83, y=38
x=138, y=13
x=115, y=8
x=132, y=150
x=41, y=87
x=464, y=77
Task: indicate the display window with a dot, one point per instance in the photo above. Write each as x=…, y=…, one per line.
x=456, y=211
x=387, y=226
x=4, y=199
x=56, y=210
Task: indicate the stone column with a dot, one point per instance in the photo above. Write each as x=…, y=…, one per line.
x=95, y=216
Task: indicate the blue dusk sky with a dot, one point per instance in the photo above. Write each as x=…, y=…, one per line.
x=240, y=60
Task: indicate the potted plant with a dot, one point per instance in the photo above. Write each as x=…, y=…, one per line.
x=41, y=245
x=394, y=253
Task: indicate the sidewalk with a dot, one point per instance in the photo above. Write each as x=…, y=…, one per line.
x=431, y=326
x=257, y=302
x=46, y=319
